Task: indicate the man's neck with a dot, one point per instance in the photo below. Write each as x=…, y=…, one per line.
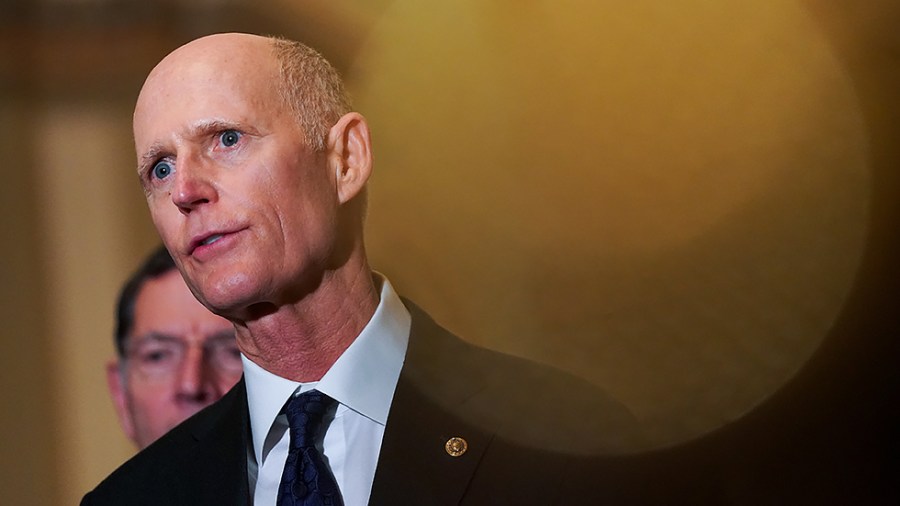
x=302, y=341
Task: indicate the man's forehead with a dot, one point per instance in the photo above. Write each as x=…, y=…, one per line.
x=238, y=60
x=219, y=50
x=168, y=337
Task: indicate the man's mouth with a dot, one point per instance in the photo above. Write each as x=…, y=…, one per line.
x=211, y=239
x=205, y=241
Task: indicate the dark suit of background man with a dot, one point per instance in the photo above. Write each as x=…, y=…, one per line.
x=255, y=172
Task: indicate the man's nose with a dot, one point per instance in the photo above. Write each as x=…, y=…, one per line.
x=193, y=185
x=194, y=378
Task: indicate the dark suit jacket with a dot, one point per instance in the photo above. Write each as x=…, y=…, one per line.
x=529, y=430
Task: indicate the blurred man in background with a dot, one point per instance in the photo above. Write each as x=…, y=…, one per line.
x=174, y=356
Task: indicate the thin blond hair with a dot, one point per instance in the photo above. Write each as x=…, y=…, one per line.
x=311, y=87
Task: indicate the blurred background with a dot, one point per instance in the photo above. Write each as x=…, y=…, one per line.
x=691, y=204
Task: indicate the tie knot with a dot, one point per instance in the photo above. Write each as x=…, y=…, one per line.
x=305, y=413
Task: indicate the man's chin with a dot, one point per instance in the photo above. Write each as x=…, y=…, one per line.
x=224, y=293
x=228, y=304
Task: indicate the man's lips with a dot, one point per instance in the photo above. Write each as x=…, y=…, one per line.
x=207, y=239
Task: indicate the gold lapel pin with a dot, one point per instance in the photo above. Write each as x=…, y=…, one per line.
x=456, y=446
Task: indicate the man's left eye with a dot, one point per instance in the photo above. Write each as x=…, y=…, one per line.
x=229, y=138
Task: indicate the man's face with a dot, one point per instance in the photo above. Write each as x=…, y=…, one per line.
x=247, y=210
x=179, y=359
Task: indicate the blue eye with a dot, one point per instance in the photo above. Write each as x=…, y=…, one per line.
x=229, y=138
x=162, y=170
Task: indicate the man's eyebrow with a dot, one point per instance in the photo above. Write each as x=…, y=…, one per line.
x=161, y=337
x=150, y=155
x=207, y=126
x=154, y=336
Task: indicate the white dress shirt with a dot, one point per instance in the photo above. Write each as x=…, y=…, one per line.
x=362, y=381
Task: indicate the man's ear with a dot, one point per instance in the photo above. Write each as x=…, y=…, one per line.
x=350, y=155
x=116, y=383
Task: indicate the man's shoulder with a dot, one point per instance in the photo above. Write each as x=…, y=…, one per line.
x=523, y=432
x=523, y=400
x=199, y=458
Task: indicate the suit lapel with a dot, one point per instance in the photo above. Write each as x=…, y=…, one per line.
x=219, y=460
x=414, y=467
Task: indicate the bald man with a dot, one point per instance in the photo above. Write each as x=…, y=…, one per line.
x=255, y=170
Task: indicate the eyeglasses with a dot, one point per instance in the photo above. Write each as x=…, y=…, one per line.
x=158, y=356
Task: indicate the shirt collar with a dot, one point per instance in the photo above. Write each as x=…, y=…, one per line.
x=362, y=379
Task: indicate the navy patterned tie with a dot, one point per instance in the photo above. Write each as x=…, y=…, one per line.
x=306, y=480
